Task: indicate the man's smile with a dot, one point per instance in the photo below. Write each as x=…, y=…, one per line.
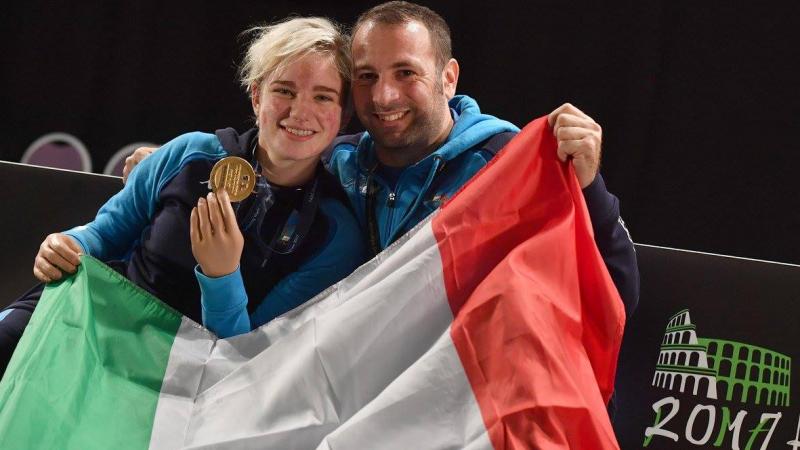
x=391, y=117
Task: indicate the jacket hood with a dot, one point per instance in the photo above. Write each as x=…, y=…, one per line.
x=470, y=129
x=237, y=144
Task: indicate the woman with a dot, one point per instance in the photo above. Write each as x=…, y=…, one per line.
x=249, y=261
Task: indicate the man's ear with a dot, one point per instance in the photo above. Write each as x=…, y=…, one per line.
x=255, y=97
x=450, y=78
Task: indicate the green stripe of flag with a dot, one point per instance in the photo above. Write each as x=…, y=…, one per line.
x=108, y=343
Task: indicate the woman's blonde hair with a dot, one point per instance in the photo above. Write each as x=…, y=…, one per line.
x=278, y=45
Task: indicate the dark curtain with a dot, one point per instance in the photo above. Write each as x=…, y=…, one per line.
x=697, y=99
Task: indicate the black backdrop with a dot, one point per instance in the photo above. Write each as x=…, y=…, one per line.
x=697, y=99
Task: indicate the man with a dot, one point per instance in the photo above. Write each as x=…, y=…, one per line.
x=423, y=142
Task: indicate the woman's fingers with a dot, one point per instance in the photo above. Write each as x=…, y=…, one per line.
x=74, y=248
x=46, y=271
x=55, y=259
x=66, y=248
x=40, y=275
x=58, y=253
x=203, y=219
x=215, y=214
x=194, y=227
x=228, y=214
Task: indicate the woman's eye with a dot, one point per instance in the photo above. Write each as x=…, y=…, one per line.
x=282, y=91
x=324, y=98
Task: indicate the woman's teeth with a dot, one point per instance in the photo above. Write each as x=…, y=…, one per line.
x=299, y=132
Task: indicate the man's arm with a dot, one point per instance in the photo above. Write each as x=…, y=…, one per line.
x=613, y=241
x=135, y=158
x=579, y=139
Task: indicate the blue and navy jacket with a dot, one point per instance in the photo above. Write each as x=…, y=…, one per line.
x=147, y=224
x=422, y=187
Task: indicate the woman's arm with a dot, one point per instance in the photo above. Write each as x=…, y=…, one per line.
x=343, y=252
x=122, y=219
x=224, y=298
x=58, y=254
x=217, y=246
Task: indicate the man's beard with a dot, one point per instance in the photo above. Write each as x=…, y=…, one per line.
x=412, y=145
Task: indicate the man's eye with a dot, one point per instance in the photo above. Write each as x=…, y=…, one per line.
x=367, y=76
x=406, y=73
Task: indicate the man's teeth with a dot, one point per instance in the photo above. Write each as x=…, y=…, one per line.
x=390, y=117
x=299, y=132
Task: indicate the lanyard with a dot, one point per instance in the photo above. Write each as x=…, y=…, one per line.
x=295, y=227
x=372, y=221
x=298, y=224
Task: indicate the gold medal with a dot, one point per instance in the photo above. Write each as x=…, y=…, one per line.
x=234, y=174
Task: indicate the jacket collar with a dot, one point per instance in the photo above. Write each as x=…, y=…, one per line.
x=470, y=128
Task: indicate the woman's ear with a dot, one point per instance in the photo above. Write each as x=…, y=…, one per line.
x=255, y=97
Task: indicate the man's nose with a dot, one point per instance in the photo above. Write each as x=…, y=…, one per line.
x=385, y=92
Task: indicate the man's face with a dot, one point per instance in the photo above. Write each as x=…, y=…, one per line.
x=399, y=94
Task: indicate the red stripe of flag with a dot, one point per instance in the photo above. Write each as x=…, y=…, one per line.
x=538, y=322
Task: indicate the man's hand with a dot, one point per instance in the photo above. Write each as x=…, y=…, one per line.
x=579, y=138
x=136, y=157
x=216, y=240
x=58, y=253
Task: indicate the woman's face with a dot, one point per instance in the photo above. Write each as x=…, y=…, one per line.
x=299, y=110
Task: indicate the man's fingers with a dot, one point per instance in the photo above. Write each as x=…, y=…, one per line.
x=571, y=120
x=576, y=147
x=579, y=138
x=574, y=133
x=551, y=118
x=566, y=108
x=228, y=214
x=135, y=158
x=570, y=149
x=561, y=153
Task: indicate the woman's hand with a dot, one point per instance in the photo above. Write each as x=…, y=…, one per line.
x=216, y=240
x=58, y=253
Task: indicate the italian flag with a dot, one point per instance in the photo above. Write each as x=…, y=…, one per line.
x=493, y=324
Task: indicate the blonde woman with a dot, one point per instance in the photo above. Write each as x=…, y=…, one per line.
x=233, y=265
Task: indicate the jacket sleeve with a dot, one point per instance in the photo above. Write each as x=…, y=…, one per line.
x=224, y=303
x=224, y=299
x=122, y=219
x=613, y=241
